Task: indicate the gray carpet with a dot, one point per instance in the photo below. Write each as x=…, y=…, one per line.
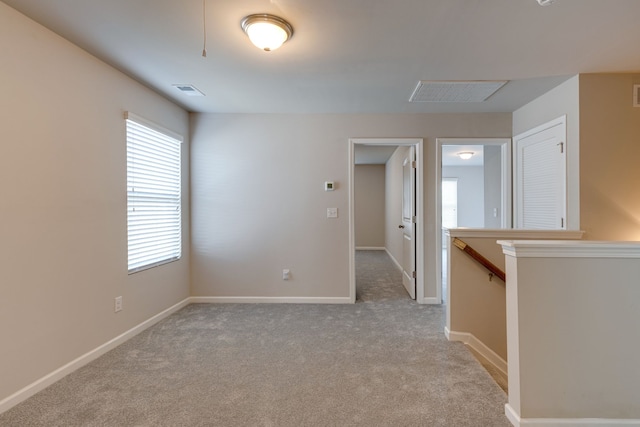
x=381, y=362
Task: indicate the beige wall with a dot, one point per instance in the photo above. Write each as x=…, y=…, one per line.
x=476, y=303
x=493, y=186
x=369, y=205
x=609, y=155
x=602, y=148
x=572, y=322
x=471, y=199
x=259, y=205
x=393, y=207
x=63, y=257
x=560, y=101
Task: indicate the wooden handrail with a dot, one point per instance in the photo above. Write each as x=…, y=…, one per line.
x=481, y=259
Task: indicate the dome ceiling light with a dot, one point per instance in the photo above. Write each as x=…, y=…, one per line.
x=466, y=155
x=267, y=32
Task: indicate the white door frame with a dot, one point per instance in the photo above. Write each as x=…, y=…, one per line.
x=505, y=175
x=419, y=145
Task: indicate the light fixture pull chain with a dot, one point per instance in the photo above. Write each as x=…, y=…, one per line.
x=204, y=28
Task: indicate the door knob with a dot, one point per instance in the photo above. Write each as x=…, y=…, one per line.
x=401, y=226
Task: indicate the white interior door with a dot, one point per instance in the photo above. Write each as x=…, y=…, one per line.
x=408, y=225
x=541, y=177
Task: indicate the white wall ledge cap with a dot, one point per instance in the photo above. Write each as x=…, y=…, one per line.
x=570, y=249
x=514, y=233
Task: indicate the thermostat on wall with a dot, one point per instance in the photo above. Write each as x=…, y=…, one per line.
x=329, y=186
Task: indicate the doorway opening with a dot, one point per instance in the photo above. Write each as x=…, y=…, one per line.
x=414, y=235
x=473, y=190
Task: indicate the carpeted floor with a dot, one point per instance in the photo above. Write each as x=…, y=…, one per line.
x=381, y=362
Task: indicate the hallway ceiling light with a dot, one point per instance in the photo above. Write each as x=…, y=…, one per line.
x=267, y=32
x=545, y=2
x=466, y=155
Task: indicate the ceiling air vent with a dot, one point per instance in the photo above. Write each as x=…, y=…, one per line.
x=455, y=91
x=189, y=90
x=636, y=95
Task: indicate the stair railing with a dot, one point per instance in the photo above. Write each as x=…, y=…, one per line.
x=493, y=269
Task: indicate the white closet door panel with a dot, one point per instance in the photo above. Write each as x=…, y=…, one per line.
x=541, y=178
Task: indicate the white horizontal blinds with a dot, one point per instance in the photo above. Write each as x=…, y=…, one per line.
x=154, y=225
x=541, y=164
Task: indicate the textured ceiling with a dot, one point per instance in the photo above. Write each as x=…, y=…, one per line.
x=355, y=56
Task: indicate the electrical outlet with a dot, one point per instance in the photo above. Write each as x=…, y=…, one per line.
x=118, y=304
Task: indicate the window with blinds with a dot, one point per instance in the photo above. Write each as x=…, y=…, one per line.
x=154, y=224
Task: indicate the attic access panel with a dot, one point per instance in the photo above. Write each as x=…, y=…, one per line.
x=455, y=91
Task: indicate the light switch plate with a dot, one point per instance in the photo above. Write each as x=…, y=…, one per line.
x=332, y=212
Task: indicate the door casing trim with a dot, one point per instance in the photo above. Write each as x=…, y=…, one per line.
x=505, y=145
x=418, y=143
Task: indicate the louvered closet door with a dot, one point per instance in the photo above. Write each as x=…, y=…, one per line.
x=541, y=177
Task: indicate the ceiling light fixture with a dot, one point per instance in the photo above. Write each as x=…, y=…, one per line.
x=466, y=155
x=545, y=2
x=267, y=32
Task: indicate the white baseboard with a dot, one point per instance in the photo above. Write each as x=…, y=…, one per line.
x=395, y=261
x=272, y=300
x=370, y=248
x=469, y=339
x=566, y=422
x=47, y=380
x=431, y=300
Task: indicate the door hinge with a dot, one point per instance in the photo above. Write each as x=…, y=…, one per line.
x=414, y=164
x=413, y=274
x=414, y=219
